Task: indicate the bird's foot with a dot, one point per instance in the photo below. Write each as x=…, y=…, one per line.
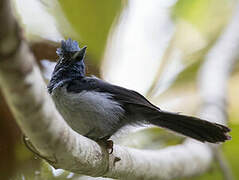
x=108, y=144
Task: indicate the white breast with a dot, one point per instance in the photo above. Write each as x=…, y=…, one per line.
x=89, y=111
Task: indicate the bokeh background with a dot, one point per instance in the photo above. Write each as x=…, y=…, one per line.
x=153, y=47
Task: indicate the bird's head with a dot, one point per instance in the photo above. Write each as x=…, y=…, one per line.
x=70, y=64
x=71, y=57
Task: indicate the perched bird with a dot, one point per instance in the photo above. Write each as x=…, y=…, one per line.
x=97, y=109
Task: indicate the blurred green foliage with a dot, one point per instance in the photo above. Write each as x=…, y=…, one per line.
x=92, y=21
x=206, y=15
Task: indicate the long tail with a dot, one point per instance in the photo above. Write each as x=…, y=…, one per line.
x=193, y=127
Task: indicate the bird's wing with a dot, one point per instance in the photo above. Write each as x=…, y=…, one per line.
x=122, y=95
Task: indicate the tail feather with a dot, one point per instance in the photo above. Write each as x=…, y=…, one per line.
x=193, y=127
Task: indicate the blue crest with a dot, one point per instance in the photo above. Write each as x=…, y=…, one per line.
x=67, y=46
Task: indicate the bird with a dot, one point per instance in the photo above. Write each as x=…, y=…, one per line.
x=97, y=109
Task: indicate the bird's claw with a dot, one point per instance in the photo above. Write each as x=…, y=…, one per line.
x=109, y=146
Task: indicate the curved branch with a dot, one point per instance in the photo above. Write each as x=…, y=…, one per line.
x=25, y=92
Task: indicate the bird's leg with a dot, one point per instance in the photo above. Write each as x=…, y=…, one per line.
x=103, y=140
x=107, y=143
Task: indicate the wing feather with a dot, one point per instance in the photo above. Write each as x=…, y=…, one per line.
x=124, y=96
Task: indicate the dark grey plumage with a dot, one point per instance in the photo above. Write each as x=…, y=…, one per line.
x=98, y=109
x=67, y=46
x=70, y=64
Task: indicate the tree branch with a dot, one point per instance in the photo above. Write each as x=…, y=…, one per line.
x=25, y=92
x=213, y=79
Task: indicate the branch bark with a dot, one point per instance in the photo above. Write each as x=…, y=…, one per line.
x=25, y=92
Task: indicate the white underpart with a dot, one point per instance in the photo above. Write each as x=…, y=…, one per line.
x=88, y=111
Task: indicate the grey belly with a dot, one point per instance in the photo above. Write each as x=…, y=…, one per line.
x=89, y=113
